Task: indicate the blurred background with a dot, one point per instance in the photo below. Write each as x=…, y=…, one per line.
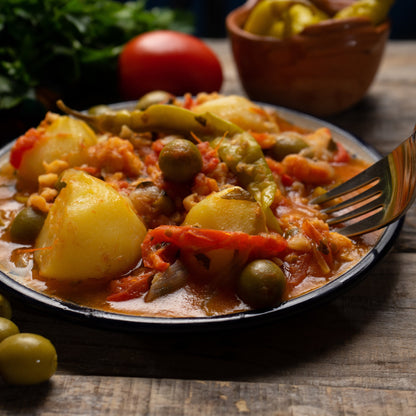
x=50, y=49
x=403, y=17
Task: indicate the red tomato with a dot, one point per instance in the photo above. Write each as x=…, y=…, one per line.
x=167, y=60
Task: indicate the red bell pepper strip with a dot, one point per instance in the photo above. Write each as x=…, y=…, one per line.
x=130, y=287
x=199, y=239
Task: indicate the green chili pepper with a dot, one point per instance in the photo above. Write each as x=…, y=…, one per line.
x=237, y=148
x=159, y=118
x=244, y=157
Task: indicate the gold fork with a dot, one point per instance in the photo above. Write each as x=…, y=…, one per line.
x=385, y=191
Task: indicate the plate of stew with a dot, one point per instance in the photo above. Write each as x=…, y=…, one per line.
x=179, y=213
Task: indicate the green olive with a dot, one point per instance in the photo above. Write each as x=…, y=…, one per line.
x=26, y=225
x=261, y=284
x=7, y=328
x=154, y=97
x=5, y=308
x=286, y=144
x=180, y=160
x=27, y=359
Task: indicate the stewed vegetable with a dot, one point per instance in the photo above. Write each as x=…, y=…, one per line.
x=179, y=207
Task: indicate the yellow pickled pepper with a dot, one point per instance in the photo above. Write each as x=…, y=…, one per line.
x=282, y=18
x=301, y=16
x=262, y=18
x=375, y=10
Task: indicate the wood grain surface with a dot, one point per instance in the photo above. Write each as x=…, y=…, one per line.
x=355, y=355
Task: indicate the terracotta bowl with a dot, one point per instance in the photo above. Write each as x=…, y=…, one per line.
x=322, y=71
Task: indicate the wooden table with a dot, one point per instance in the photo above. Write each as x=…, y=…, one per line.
x=353, y=356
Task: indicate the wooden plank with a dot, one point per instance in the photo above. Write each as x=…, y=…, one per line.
x=75, y=395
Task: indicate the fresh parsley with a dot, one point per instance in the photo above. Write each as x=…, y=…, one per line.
x=69, y=48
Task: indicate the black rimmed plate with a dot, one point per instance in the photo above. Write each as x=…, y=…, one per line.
x=332, y=289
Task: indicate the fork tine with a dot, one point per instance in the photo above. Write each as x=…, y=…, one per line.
x=393, y=190
x=367, y=194
x=364, y=178
x=367, y=224
x=364, y=209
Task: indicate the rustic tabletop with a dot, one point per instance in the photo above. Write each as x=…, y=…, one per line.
x=353, y=356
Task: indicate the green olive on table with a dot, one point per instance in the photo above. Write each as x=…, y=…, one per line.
x=27, y=359
x=7, y=328
x=180, y=160
x=5, y=308
x=261, y=284
x=26, y=225
x=287, y=144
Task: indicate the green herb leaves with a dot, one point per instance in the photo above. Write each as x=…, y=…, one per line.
x=70, y=46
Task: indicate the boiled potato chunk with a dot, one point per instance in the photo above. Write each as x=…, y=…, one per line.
x=91, y=231
x=232, y=209
x=65, y=138
x=240, y=111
